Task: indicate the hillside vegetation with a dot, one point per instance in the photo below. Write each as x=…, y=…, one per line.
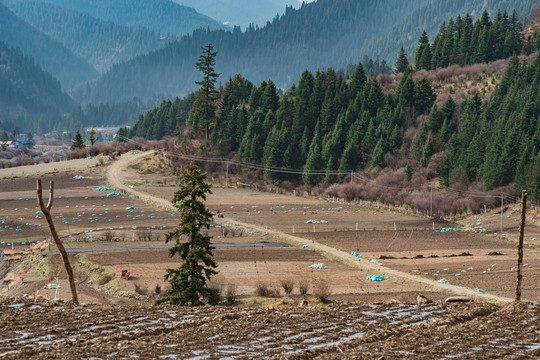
x=317, y=35
x=30, y=98
x=163, y=16
x=53, y=57
x=462, y=127
x=100, y=42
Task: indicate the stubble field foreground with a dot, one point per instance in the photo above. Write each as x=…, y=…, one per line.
x=407, y=250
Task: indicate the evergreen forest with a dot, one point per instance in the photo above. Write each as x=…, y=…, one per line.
x=331, y=123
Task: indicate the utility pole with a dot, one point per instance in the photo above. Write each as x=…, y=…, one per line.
x=431, y=200
x=227, y=175
x=520, y=244
x=502, y=204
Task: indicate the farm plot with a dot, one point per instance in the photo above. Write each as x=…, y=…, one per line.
x=84, y=209
x=40, y=330
x=246, y=268
x=282, y=212
x=473, y=260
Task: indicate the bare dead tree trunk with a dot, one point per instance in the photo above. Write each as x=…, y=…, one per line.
x=59, y=245
x=520, y=244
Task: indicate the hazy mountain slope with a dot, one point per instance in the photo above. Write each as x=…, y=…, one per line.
x=164, y=16
x=53, y=57
x=326, y=33
x=27, y=92
x=241, y=12
x=102, y=43
x=430, y=16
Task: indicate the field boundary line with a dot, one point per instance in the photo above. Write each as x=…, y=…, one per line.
x=114, y=174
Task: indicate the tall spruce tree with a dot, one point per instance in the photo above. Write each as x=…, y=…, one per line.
x=402, y=63
x=202, y=113
x=77, y=142
x=189, y=282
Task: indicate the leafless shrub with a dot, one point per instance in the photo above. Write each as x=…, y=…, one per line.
x=350, y=191
x=76, y=154
x=144, y=235
x=287, y=285
x=4, y=164
x=263, y=290
x=322, y=291
x=139, y=290
x=46, y=159
x=25, y=160
x=231, y=295
x=225, y=232
x=157, y=289
x=107, y=235
x=303, y=286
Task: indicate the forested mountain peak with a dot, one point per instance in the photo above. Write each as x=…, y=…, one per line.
x=69, y=68
x=27, y=93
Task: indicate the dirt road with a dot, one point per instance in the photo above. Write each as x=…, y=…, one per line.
x=115, y=176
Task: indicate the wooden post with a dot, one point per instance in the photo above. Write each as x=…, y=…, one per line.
x=520, y=244
x=54, y=234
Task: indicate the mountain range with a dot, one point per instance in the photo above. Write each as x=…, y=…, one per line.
x=317, y=35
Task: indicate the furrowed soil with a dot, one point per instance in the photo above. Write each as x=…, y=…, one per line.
x=336, y=331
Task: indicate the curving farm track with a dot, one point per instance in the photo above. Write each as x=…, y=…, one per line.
x=115, y=176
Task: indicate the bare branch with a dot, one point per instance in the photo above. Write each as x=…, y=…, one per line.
x=51, y=192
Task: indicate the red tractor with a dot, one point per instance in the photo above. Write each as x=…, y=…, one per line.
x=124, y=274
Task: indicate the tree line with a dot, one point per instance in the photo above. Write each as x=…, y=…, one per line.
x=464, y=43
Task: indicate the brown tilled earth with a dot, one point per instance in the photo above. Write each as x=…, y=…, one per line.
x=289, y=331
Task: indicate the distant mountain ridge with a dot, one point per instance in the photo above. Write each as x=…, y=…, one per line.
x=53, y=57
x=241, y=12
x=322, y=34
x=28, y=93
x=315, y=36
x=164, y=16
x=101, y=42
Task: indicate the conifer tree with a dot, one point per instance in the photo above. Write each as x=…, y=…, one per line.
x=202, y=113
x=424, y=96
x=402, y=63
x=426, y=152
x=314, y=161
x=378, y=154
x=408, y=171
x=423, y=53
x=77, y=142
x=189, y=282
x=92, y=137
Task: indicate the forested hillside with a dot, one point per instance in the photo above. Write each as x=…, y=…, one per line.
x=102, y=43
x=463, y=43
x=464, y=128
x=429, y=17
x=317, y=35
x=241, y=12
x=30, y=98
x=53, y=57
x=163, y=16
